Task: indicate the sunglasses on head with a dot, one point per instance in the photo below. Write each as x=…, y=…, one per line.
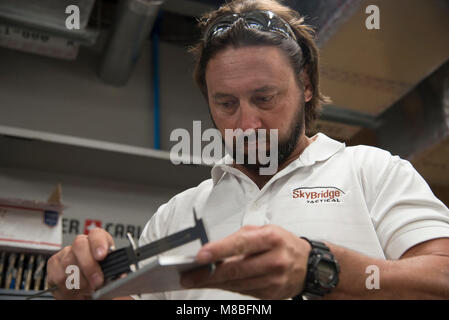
x=260, y=20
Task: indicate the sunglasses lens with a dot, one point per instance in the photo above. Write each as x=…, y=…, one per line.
x=258, y=17
x=261, y=20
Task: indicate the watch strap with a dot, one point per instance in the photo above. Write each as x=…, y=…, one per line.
x=311, y=288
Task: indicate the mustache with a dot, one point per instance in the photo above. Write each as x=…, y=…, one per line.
x=241, y=140
x=253, y=136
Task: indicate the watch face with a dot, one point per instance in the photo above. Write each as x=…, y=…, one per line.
x=325, y=274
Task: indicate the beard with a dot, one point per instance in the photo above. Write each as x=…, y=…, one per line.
x=286, y=146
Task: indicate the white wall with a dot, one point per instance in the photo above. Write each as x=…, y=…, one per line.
x=66, y=97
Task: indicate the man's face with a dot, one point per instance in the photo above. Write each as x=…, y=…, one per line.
x=256, y=88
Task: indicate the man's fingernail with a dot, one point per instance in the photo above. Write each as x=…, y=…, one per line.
x=204, y=257
x=100, y=252
x=97, y=279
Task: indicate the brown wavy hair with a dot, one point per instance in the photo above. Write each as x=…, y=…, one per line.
x=303, y=53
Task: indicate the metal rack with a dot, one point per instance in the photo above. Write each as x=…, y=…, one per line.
x=50, y=152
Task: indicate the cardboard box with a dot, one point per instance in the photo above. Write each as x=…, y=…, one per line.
x=31, y=226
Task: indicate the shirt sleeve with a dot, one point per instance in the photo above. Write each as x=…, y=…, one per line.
x=402, y=206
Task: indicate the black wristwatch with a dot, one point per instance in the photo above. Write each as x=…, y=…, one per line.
x=322, y=272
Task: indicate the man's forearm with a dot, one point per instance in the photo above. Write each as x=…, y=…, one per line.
x=420, y=277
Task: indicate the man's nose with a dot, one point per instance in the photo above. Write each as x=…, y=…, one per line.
x=249, y=117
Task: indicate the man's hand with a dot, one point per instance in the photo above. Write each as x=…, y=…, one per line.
x=266, y=262
x=85, y=252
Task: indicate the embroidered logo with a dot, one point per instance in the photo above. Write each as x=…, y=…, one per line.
x=318, y=194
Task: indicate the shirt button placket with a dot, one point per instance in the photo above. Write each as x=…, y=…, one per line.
x=255, y=210
x=254, y=214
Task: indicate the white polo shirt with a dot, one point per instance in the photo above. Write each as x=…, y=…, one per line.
x=361, y=198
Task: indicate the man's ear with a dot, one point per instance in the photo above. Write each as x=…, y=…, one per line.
x=308, y=90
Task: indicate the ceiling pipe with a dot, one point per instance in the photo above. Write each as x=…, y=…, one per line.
x=133, y=24
x=326, y=16
x=419, y=120
x=156, y=86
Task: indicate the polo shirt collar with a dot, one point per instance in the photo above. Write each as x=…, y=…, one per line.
x=321, y=149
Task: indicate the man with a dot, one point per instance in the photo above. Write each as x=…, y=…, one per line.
x=359, y=208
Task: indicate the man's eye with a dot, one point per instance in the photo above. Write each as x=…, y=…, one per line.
x=265, y=98
x=227, y=104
